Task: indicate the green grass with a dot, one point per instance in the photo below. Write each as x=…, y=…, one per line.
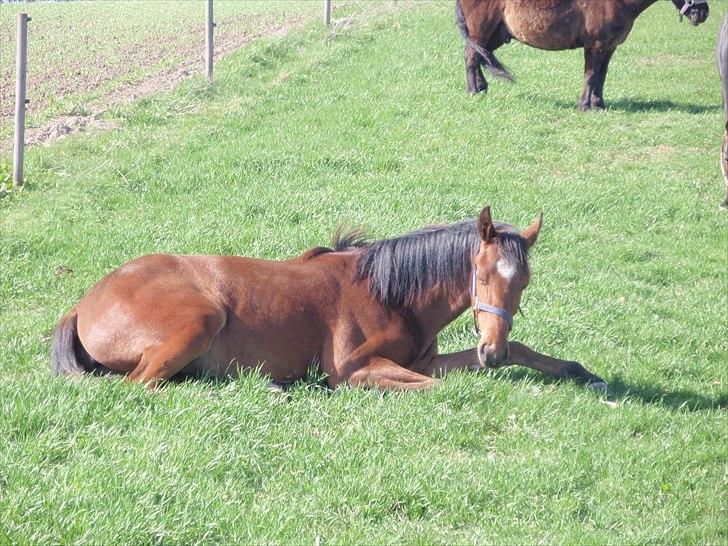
x=79, y=51
x=371, y=125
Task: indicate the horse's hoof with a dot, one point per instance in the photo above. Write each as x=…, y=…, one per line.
x=598, y=386
x=723, y=205
x=272, y=386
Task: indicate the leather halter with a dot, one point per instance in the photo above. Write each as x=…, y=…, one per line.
x=689, y=4
x=480, y=306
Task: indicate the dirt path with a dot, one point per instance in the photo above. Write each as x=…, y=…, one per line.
x=163, y=80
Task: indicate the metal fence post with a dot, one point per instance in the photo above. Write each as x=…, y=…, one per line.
x=209, y=25
x=327, y=12
x=20, y=101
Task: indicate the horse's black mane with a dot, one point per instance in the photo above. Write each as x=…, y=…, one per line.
x=402, y=268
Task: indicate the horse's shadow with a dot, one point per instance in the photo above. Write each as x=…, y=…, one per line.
x=621, y=389
x=636, y=105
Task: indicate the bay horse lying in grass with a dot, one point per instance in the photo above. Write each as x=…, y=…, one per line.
x=369, y=313
x=598, y=26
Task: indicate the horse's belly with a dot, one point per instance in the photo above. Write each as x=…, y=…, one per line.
x=282, y=349
x=554, y=29
x=542, y=38
x=222, y=362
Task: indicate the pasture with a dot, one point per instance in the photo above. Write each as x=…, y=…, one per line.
x=368, y=123
x=76, y=68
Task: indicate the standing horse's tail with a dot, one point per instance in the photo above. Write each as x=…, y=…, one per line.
x=68, y=357
x=490, y=61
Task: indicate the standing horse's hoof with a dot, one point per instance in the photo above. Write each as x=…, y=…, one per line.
x=723, y=205
x=478, y=87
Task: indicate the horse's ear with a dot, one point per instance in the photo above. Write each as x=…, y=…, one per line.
x=485, y=225
x=531, y=232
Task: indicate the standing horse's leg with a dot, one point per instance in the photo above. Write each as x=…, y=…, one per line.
x=474, y=60
x=595, y=71
x=161, y=362
x=563, y=369
x=384, y=374
x=473, y=73
x=597, y=96
x=724, y=166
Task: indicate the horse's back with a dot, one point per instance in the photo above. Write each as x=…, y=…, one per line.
x=259, y=313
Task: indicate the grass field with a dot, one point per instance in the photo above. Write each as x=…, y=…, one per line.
x=371, y=125
x=80, y=52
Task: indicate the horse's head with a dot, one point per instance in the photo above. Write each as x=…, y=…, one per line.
x=500, y=275
x=695, y=10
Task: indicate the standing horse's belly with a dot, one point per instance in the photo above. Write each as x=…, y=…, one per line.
x=554, y=29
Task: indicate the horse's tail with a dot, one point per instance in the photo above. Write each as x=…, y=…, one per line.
x=490, y=61
x=68, y=357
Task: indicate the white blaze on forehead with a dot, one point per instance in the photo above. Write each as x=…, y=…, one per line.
x=505, y=269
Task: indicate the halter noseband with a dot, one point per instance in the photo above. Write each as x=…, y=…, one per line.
x=480, y=306
x=689, y=4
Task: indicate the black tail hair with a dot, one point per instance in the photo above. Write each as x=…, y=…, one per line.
x=68, y=357
x=490, y=61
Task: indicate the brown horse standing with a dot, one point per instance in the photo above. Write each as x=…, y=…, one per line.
x=598, y=26
x=369, y=313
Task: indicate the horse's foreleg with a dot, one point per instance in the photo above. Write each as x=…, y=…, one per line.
x=597, y=96
x=473, y=73
x=563, y=369
x=595, y=71
x=442, y=365
x=161, y=362
x=383, y=374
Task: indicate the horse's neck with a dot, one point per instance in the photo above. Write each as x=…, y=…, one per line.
x=439, y=310
x=638, y=6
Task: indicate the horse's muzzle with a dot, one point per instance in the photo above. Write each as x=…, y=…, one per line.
x=697, y=16
x=490, y=358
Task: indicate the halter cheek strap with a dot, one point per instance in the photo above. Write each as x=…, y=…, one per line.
x=689, y=4
x=480, y=306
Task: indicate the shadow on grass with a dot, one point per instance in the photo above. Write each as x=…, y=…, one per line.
x=635, y=105
x=620, y=389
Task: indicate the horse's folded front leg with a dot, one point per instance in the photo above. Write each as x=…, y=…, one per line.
x=383, y=374
x=564, y=369
x=442, y=365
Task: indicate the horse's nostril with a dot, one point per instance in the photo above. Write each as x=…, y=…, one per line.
x=482, y=354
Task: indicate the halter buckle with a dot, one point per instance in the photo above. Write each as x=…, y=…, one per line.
x=689, y=4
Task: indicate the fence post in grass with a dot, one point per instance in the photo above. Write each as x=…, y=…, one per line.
x=21, y=65
x=209, y=25
x=327, y=12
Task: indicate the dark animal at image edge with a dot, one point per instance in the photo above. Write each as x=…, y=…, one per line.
x=598, y=26
x=722, y=52
x=368, y=312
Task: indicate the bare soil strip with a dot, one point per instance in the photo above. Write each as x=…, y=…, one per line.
x=162, y=81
